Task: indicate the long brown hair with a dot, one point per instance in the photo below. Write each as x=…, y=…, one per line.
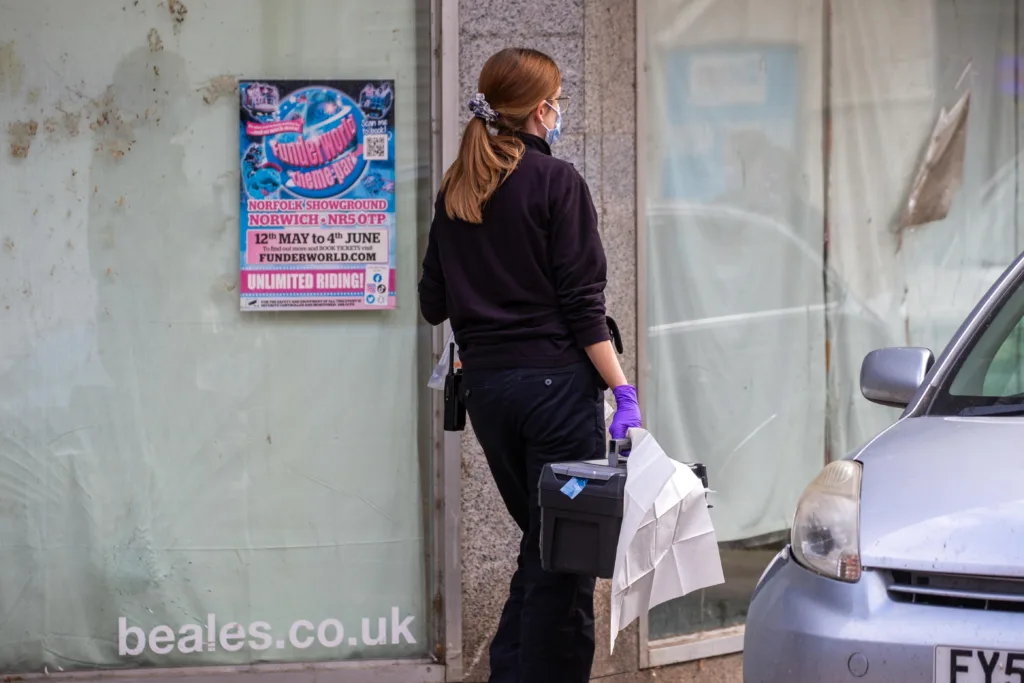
x=513, y=81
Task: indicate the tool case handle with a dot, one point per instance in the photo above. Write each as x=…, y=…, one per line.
x=617, y=447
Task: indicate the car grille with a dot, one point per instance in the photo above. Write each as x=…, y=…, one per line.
x=953, y=590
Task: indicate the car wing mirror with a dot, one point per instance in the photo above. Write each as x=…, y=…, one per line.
x=891, y=377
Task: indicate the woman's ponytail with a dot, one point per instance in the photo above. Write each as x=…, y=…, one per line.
x=512, y=83
x=484, y=162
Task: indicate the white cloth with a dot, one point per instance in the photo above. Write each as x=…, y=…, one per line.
x=667, y=545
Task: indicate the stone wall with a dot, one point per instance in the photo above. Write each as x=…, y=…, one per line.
x=594, y=43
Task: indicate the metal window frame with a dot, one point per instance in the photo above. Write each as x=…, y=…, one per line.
x=640, y=135
x=705, y=644
x=447, y=446
x=376, y=671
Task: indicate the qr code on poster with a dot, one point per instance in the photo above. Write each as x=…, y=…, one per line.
x=375, y=148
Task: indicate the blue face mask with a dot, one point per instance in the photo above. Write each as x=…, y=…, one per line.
x=556, y=132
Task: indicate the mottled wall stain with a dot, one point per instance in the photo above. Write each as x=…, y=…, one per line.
x=224, y=85
x=178, y=11
x=156, y=43
x=21, y=134
x=116, y=115
x=63, y=124
x=12, y=71
x=114, y=132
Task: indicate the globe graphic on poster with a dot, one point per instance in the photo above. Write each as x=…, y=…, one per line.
x=325, y=113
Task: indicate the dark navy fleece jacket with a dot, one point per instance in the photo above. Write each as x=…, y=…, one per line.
x=526, y=287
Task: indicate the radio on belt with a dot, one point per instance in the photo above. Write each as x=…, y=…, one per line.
x=579, y=526
x=454, y=399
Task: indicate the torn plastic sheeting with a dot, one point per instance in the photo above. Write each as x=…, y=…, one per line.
x=941, y=172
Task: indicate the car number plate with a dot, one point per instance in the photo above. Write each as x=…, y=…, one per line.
x=971, y=665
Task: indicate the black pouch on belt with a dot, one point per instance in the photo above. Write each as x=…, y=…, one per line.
x=613, y=332
x=454, y=405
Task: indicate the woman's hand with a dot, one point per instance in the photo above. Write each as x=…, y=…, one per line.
x=627, y=411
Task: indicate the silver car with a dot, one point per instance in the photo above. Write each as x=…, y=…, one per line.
x=906, y=559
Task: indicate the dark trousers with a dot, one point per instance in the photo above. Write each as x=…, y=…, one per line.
x=524, y=419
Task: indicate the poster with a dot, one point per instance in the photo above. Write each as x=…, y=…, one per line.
x=317, y=219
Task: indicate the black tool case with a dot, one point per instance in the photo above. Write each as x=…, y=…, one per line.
x=580, y=535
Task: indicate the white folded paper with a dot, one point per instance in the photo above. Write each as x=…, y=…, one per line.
x=667, y=546
x=436, y=380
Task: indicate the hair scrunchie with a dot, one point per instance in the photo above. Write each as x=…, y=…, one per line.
x=481, y=110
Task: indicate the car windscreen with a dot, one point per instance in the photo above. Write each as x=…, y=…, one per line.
x=988, y=379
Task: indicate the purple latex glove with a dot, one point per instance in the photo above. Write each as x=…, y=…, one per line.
x=627, y=411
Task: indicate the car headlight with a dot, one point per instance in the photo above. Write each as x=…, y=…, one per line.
x=826, y=528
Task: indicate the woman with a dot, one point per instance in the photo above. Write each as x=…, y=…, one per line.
x=515, y=261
